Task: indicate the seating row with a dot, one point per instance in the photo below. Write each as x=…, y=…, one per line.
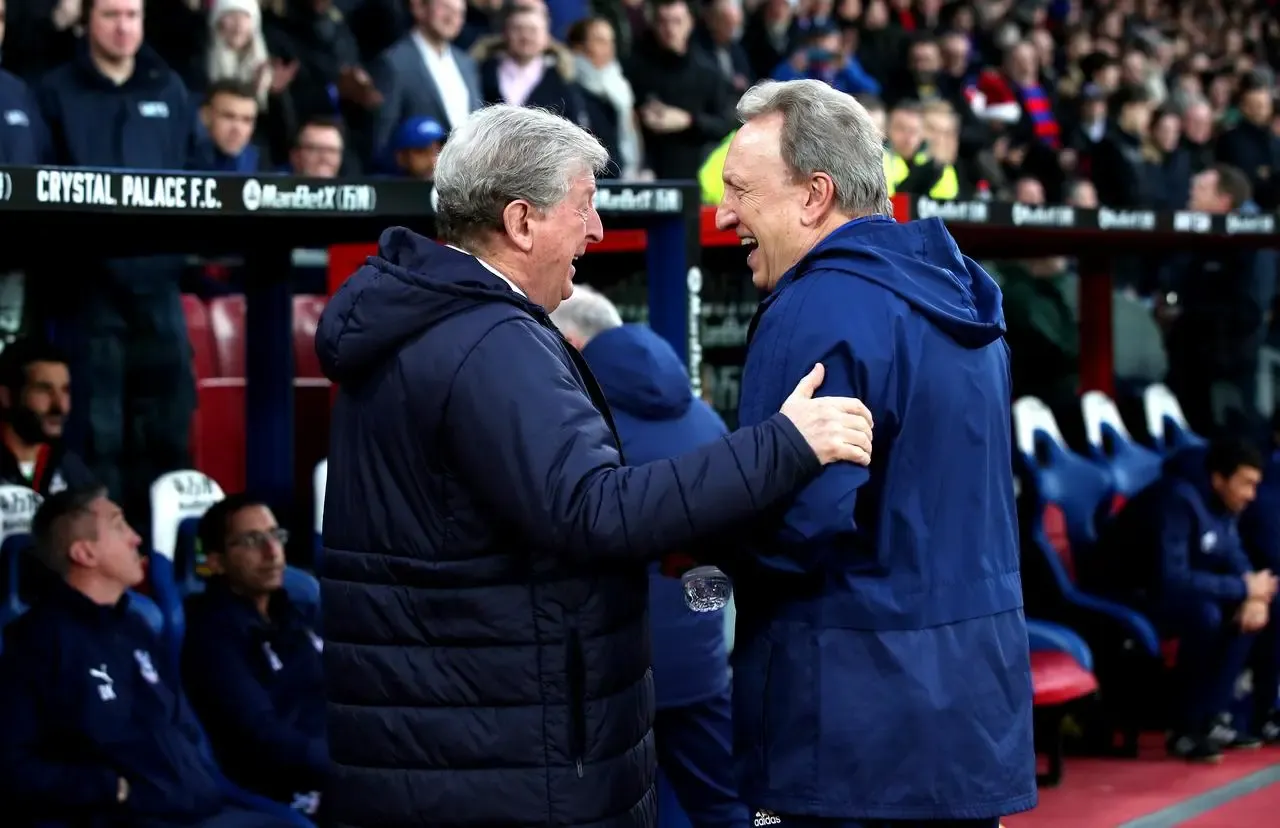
x=1065, y=498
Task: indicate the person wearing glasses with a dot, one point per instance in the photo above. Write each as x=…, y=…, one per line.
x=251, y=661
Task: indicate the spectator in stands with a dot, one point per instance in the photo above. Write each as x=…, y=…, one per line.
x=942, y=137
x=907, y=164
x=921, y=79
x=1171, y=163
x=251, y=660
x=1213, y=345
x=229, y=115
x=42, y=36
x=719, y=38
x=424, y=74
x=819, y=58
x=513, y=541
x=685, y=107
x=92, y=729
x=1174, y=553
x=1197, y=135
x=415, y=147
x=1251, y=145
x=24, y=139
x=237, y=54
x=329, y=80
x=319, y=149
x=1122, y=171
x=35, y=398
x=824, y=601
x=657, y=416
x=117, y=106
x=771, y=35
x=526, y=69
x=607, y=94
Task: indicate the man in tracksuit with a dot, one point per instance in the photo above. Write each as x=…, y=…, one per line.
x=92, y=731
x=657, y=416
x=251, y=661
x=118, y=106
x=1174, y=552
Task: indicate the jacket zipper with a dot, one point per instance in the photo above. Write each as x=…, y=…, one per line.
x=576, y=669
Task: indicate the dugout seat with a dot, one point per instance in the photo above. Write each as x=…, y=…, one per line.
x=1166, y=423
x=217, y=439
x=306, y=317
x=1061, y=673
x=1132, y=467
x=149, y=611
x=178, y=500
x=1066, y=497
x=200, y=332
x=227, y=319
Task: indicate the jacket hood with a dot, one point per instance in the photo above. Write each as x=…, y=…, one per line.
x=639, y=373
x=412, y=285
x=920, y=262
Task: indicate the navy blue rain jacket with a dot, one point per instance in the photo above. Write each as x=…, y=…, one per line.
x=258, y=687
x=657, y=416
x=881, y=668
x=82, y=703
x=484, y=585
x=24, y=139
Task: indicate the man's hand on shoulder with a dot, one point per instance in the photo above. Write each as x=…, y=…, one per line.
x=836, y=428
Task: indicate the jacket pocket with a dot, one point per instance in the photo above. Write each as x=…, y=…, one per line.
x=576, y=671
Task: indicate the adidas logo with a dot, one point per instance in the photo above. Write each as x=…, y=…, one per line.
x=766, y=818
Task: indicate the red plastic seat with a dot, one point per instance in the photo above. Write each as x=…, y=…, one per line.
x=306, y=316
x=1057, y=678
x=227, y=318
x=200, y=332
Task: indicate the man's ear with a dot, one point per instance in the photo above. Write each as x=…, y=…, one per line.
x=820, y=199
x=516, y=220
x=82, y=553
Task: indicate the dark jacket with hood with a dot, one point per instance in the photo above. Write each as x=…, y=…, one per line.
x=884, y=608
x=657, y=416
x=484, y=585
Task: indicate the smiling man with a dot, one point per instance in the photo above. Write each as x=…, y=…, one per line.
x=881, y=667
x=485, y=583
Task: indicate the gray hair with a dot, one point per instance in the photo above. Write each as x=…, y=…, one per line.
x=586, y=313
x=504, y=153
x=824, y=130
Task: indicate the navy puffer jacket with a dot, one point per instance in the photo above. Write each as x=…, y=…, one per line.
x=484, y=584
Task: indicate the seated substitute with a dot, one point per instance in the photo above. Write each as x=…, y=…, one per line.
x=251, y=663
x=1174, y=552
x=91, y=732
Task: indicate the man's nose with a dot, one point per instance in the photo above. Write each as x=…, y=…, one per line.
x=595, y=228
x=725, y=218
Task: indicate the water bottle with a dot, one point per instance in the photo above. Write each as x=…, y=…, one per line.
x=706, y=589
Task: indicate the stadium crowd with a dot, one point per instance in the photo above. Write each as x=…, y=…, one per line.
x=1125, y=103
